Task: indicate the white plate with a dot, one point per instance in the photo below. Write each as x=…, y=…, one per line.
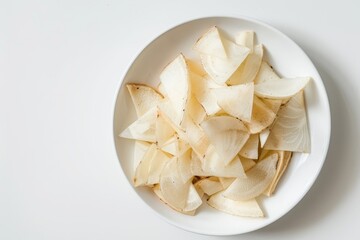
x=289, y=60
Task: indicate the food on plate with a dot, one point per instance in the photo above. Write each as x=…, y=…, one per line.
x=221, y=129
x=143, y=97
x=249, y=208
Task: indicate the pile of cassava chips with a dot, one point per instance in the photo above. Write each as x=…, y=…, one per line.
x=221, y=129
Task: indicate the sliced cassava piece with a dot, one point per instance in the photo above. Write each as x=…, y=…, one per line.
x=258, y=179
x=219, y=56
x=211, y=44
x=201, y=90
x=192, y=202
x=157, y=163
x=184, y=165
x=195, y=66
x=283, y=162
x=161, y=89
x=140, y=148
x=142, y=170
x=273, y=104
x=175, y=80
x=251, y=147
x=210, y=185
x=213, y=164
x=226, y=182
x=164, y=131
x=143, y=97
x=247, y=163
x=219, y=69
x=290, y=131
x=264, y=135
x=249, y=68
x=249, y=208
x=196, y=138
x=175, y=146
x=262, y=117
x=167, y=111
x=198, y=189
x=196, y=166
x=150, y=167
x=237, y=100
x=195, y=111
x=174, y=189
x=194, y=199
x=246, y=39
x=159, y=194
x=282, y=88
x=143, y=128
x=227, y=134
x=265, y=74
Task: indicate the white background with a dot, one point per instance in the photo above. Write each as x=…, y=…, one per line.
x=61, y=63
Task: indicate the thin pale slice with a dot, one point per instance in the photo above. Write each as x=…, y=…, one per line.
x=196, y=166
x=175, y=80
x=167, y=111
x=150, y=167
x=174, y=190
x=143, y=97
x=284, y=159
x=264, y=135
x=196, y=138
x=247, y=163
x=237, y=100
x=258, y=179
x=213, y=164
x=226, y=182
x=164, y=131
x=273, y=104
x=265, y=74
x=219, y=69
x=142, y=171
x=194, y=199
x=190, y=200
x=249, y=68
x=195, y=67
x=248, y=208
x=195, y=111
x=282, y=88
x=201, y=90
x=212, y=84
x=161, y=89
x=171, y=146
x=227, y=134
x=210, y=185
x=262, y=117
x=184, y=165
x=140, y=148
x=157, y=163
x=235, y=51
x=211, y=44
x=290, y=131
x=251, y=147
x=175, y=146
x=143, y=128
x=199, y=190
x=159, y=194
x=221, y=113
x=245, y=38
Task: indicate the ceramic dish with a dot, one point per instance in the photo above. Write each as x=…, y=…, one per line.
x=289, y=60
